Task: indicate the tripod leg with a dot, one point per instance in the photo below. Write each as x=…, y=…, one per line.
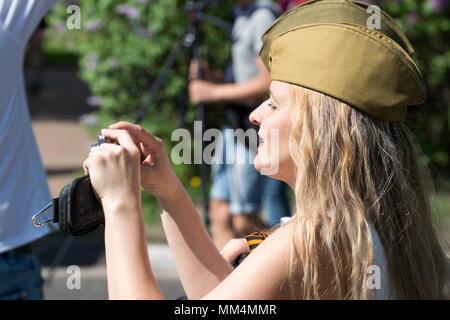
x=200, y=109
x=156, y=86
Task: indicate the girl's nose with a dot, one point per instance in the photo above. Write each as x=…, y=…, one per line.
x=255, y=116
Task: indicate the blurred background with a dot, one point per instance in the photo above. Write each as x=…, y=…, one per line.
x=82, y=80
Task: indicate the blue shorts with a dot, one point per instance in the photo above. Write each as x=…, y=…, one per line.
x=236, y=182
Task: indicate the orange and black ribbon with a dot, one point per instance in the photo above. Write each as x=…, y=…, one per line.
x=254, y=239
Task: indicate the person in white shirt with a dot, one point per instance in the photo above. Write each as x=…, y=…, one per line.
x=23, y=182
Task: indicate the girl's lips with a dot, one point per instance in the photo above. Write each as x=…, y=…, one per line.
x=261, y=141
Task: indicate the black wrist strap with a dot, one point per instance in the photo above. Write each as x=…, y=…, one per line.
x=77, y=210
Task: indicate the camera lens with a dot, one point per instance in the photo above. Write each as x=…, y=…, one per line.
x=102, y=139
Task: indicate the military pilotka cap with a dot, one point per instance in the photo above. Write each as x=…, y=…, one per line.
x=326, y=46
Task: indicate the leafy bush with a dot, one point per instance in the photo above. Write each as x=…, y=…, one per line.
x=427, y=25
x=121, y=47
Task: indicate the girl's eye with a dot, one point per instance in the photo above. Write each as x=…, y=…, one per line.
x=271, y=106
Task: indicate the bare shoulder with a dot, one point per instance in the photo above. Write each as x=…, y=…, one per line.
x=263, y=274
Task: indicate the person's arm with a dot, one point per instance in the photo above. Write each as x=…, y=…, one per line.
x=255, y=89
x=209, y=74
x=194, y=252
x=115, y=177
x=129, y=272
x=116, y=171
x=234, y=248
x=199, y=264
x=263, y=274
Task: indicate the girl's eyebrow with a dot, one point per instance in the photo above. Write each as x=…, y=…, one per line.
x=272, y=96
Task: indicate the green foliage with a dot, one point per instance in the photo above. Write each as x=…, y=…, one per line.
x=122, y=46
x=427, y=25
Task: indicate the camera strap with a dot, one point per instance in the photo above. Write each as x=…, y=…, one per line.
x=76, y=210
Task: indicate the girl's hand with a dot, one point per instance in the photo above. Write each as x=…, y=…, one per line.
x=156, y=172
x=203, y=91
x=114, y=171
x=234, y=248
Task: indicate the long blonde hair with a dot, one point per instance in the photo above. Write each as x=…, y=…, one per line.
x=352, y=170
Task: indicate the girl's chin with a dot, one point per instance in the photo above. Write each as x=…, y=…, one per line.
x=257, y=166
x=257, y=163
x=263, y=165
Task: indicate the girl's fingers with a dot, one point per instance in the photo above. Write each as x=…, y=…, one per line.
x=234, y=248
x=137, y=132
x=109, y=147
x=102, y=151
x=122, y=137
x=85, y=167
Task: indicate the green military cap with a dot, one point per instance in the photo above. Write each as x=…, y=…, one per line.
x=325, y=45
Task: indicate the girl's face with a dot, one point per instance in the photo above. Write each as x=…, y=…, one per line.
x=273, y=117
